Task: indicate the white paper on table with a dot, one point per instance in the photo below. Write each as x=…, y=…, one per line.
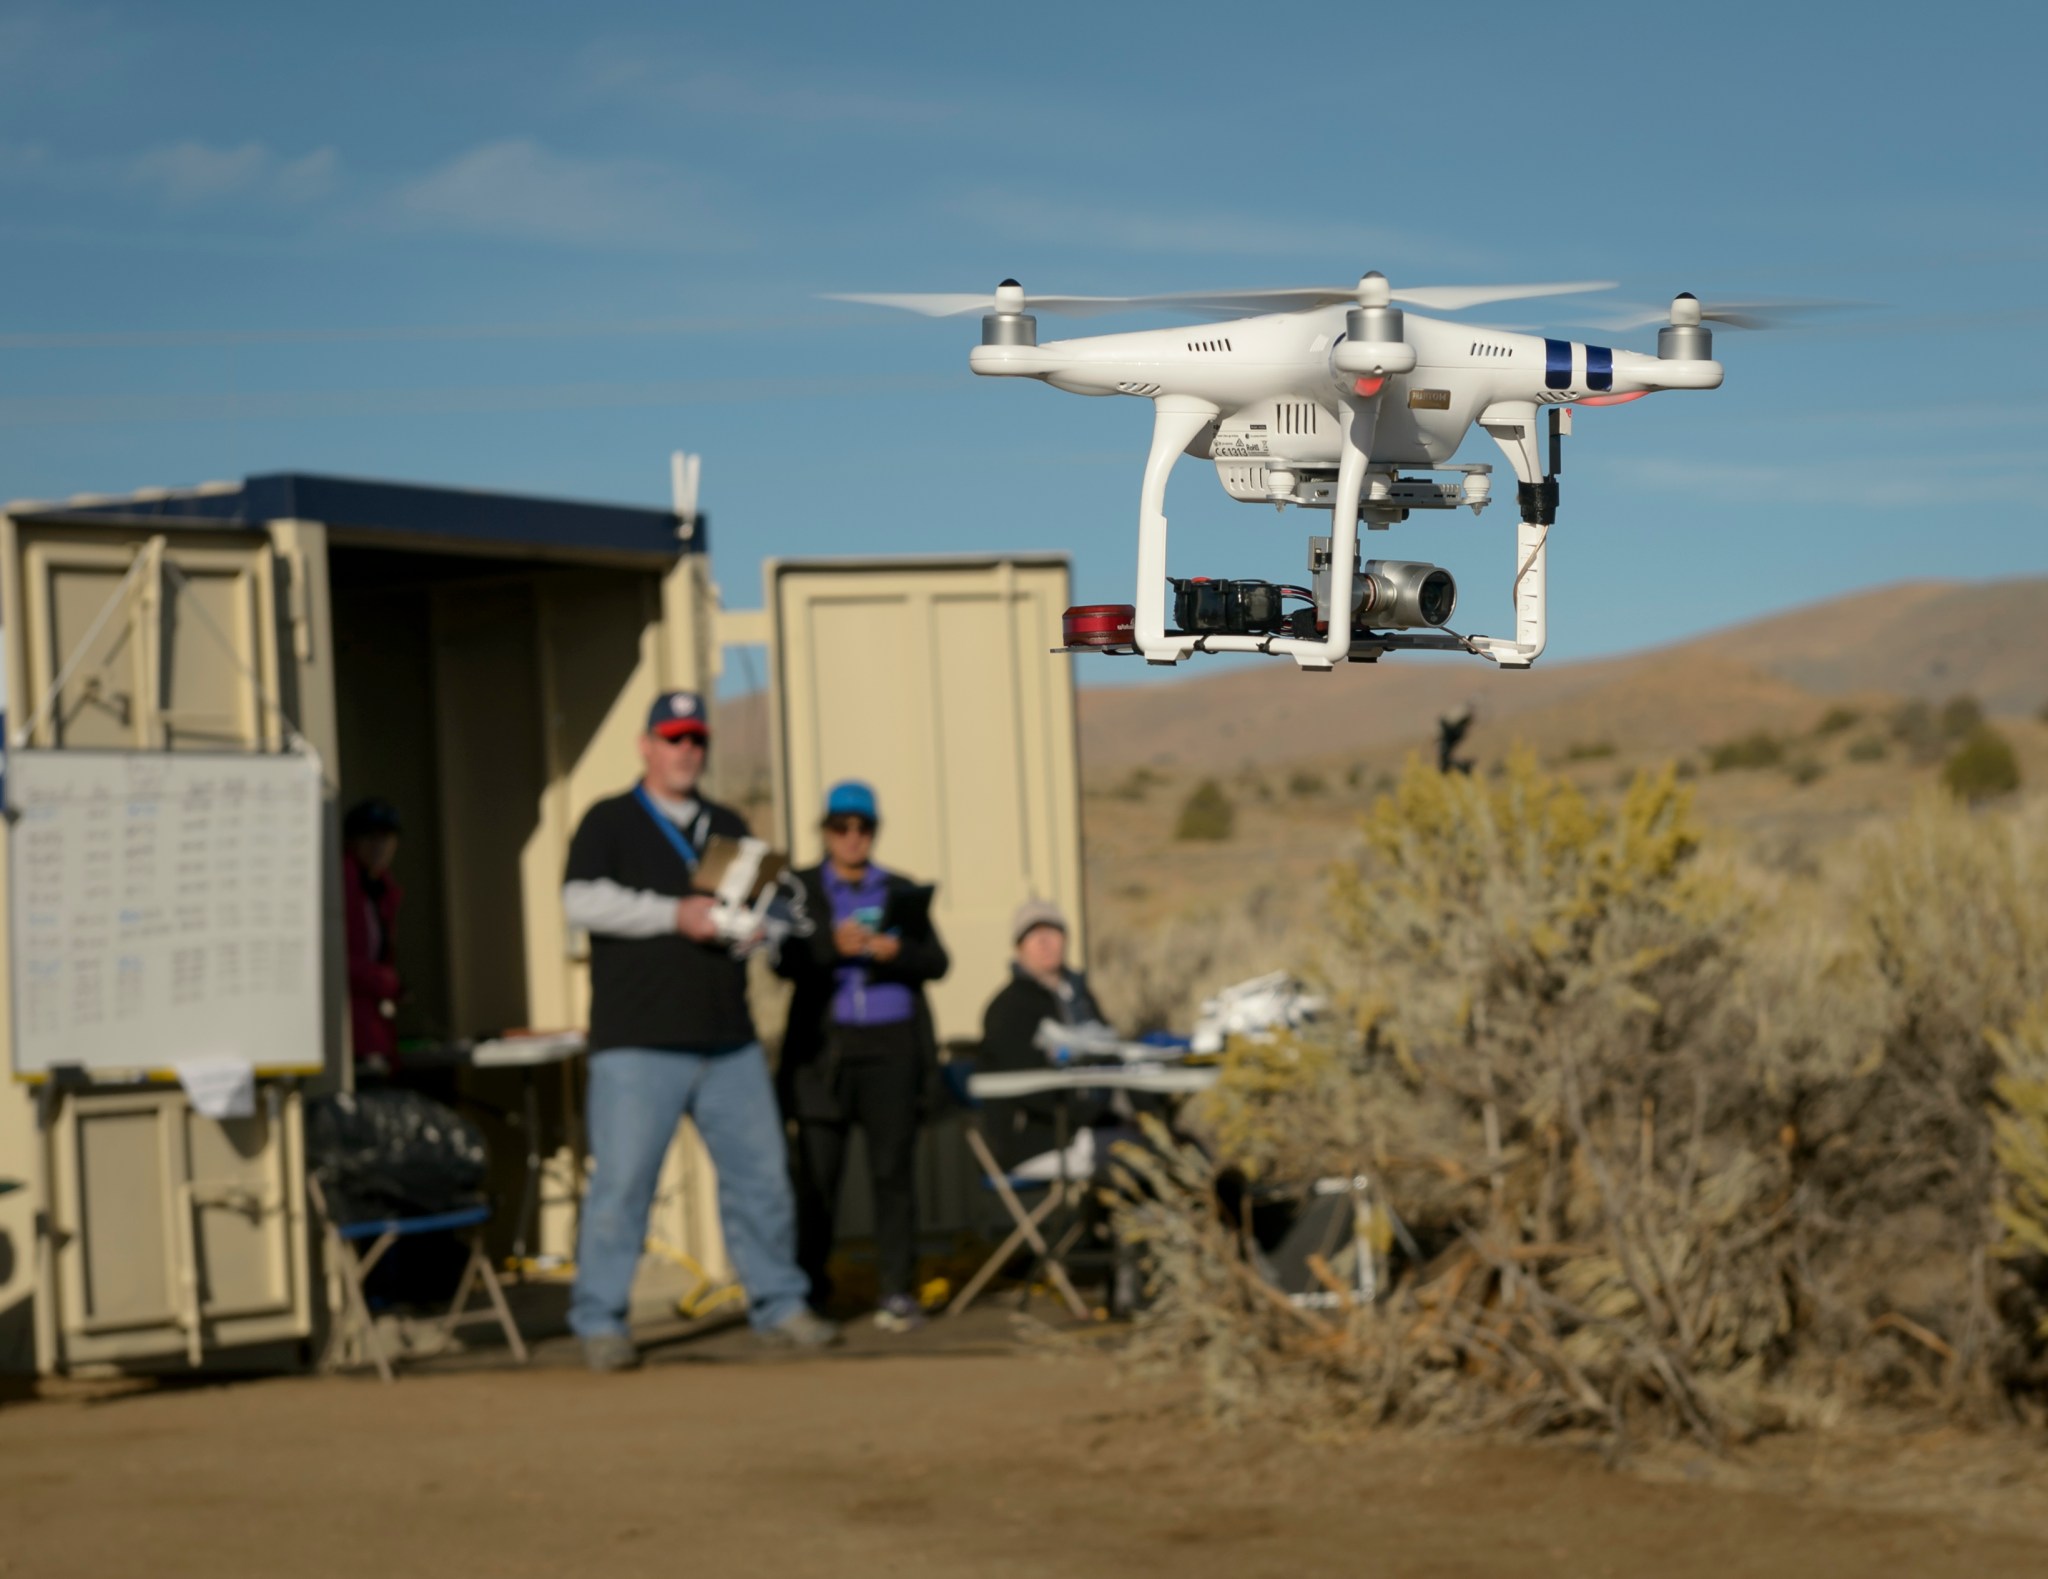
x=1046, y=1165
x=219, y=1087
x=1088, y=1039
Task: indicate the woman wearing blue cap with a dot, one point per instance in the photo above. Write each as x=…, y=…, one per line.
x=860, y=1048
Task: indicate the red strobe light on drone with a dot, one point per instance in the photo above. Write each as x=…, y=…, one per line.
x=1100, y=625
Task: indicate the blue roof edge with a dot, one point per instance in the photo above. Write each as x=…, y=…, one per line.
x=411, y=509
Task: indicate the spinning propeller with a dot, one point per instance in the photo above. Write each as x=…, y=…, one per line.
x=1687, y=310
x=1009, y=297
x=1289, y=410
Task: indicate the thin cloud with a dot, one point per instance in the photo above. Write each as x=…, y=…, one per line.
x=22, y=162
x=518, y=190
x=697, y=82
x=181, y=175
x=1209, y=232
x=51, y=51
x=2007, y=477
x=2025, y=411
x=367, y=334
x=187, y=174
x=21, y=411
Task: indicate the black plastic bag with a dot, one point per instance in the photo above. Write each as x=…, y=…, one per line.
x=389, y=1152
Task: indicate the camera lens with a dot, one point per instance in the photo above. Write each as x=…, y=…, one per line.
x=1437, y=597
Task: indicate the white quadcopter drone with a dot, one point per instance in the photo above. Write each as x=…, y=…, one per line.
x=1328, y=400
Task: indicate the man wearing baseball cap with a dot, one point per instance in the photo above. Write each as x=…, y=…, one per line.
x=671, y=1036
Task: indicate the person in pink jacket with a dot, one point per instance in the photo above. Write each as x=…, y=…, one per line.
x=370, y=898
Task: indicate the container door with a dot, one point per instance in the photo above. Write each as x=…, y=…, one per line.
x=936, y=683
x=172, y=1236
x=152, y=643
x=176, y=1236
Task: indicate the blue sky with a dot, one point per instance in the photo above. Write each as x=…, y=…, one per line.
x=537, y=248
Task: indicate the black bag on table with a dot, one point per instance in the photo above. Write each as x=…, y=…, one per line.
x=389, y=1152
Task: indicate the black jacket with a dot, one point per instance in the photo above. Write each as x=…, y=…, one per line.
x=665, y=991
x=806, y=1077
x=1023, y=1127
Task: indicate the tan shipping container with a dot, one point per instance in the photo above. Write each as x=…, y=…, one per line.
x=484, y=661
x=935, y=681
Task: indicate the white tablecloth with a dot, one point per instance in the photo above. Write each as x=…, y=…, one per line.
x=1168, y=1079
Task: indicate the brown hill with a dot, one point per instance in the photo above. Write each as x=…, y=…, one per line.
x=1933, y=639
x=1930, y=639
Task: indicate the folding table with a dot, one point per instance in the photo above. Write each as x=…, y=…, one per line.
x=529, y=1055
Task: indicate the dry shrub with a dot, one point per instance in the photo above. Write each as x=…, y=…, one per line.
x=1207, y=812
x=1983, y=766
x=1931, y=934
x=1149, y=980
x=1687, y=1149
x=2020, y=1144
x=1759, y=749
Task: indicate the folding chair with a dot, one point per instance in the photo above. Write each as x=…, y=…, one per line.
x=355, y=1267
x=1027, y=1230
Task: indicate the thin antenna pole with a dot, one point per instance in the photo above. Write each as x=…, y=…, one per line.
x=684, y=472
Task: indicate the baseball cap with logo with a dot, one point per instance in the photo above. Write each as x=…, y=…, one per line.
x=676, y=714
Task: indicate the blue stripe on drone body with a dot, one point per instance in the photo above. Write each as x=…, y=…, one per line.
x=1557, y=364
x=1599, y=367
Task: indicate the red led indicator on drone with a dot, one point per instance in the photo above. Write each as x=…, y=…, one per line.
x=1368, y=387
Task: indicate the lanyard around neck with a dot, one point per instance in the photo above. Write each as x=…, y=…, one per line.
x=675, y=836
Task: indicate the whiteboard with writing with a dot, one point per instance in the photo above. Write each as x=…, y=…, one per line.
x=164, y=906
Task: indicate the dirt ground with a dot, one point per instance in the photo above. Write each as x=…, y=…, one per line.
x=958, y=1453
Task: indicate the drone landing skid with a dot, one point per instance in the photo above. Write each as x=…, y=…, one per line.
x=1367, y=646
x=1179, y=420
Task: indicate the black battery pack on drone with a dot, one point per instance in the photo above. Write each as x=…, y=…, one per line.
x=1233, y=608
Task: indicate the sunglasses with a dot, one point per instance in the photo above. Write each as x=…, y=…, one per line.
x=848, y=825
x=697, y=736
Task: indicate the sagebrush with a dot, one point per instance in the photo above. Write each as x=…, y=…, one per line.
x=1685, y=1147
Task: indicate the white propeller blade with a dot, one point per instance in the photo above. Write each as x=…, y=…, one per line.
x=1454, y=298
x=951, y=304
x=1291, y=298
x=1737, y=315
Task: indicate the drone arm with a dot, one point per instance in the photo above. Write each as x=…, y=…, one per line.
x=1361, y=418
x=1513, y=427
x=1176, y=420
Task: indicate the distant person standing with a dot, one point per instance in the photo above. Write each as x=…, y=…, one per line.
x=860, y=1048
x=370, y=897
x=671, y=1036
x=1451, y=730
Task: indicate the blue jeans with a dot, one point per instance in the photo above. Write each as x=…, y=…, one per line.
x=638, y=1095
